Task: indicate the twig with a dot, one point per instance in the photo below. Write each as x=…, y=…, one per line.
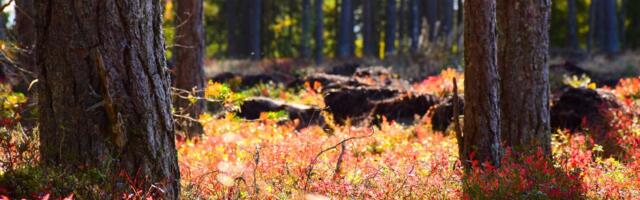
x=12, y=63
x=25, y=13
x=5, y=5
x=181, y=46
x=404, y=181
x=315, y=159
x=256, y=160
x=184, y=94
x=336, y=172
x=186, y=117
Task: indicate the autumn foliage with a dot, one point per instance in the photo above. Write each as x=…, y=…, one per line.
x=271, y=159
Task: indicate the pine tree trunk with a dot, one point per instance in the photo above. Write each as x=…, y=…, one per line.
x=391, y=28
x=592, y=25
x=189, y=59
x=482, y=116
x=599, y=23
x=634, y=25
x=239, y=25
x=523, y=27
x=610, y=37
x=103, y=92
x=319, y=32
x=621, y=23
x=432, y=18
x=351, y=32
x=254, y=29
x=367, y=32
x=403, y=28
x=233, y=28
x=376, y=25
x=345, y=32
x=306, y=31
x=460, y=13
x=414, y=26
x=446, y=10
x=572, y=34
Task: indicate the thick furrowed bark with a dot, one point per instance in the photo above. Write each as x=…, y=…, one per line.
x=522, y=57
x=481, y=109
x=104, y=98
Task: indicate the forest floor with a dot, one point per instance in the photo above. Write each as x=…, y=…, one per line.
x=270, y=157
x=280, y=155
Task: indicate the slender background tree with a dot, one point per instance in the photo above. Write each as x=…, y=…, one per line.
x=609, y=38
x=633, y=30
x=345, y=32
x=572, y=33
x=391, y=27
x=254, y=29
x=370, y=40
x=305, y=48
x=414, y=26
x=432, y=18
x=319, y=32
x=189, y=60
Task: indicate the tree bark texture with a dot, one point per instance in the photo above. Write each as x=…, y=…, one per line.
x=482, y=116
x=103, y=91
x=523, y=27
x=189, y=59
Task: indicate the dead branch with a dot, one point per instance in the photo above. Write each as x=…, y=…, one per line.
x=336, y=172
x=256, y=160
x=315, y=159
x=5, y=5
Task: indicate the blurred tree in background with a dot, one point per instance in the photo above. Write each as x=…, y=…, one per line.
x=289, y=28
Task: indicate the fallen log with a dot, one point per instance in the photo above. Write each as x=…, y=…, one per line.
x=306, y=115
x=360, y=105
x=575, y=106
x=329, y=81
x=591, y=112
x=239, y=82
x=345, y=69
